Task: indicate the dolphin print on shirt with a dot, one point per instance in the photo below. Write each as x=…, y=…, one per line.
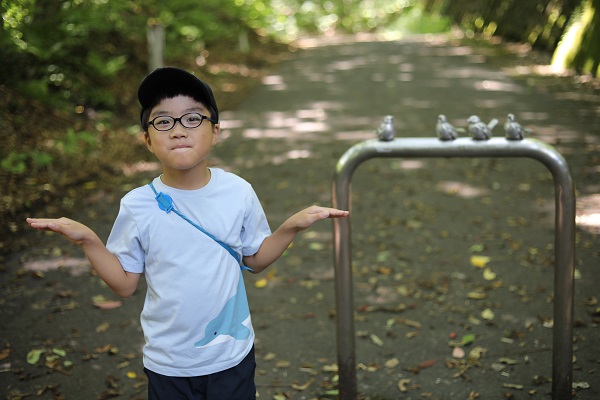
x=230, y=321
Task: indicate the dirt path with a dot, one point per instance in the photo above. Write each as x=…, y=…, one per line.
x=416, y=225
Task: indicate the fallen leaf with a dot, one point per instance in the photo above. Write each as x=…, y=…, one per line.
x=59, y=352
x=512, y=386
x=403, y=384
x=261, y=283
x=391, y=363
x=468, y=339
x=488, y=274
x=385, y=270
x=104, y=304
x=103, y=327
x=302, y=387
x=390, y=323
x=427, y=363
x=423, y=365
x=131, y=375
x=497, y=367
x=34, y=356
x=581, y=385
x=476, y=248
x=479, y=261
x=66, y=307
x=477, y=352
x=330, y=368
x=477, y=295
x=487, y=314
x=408, y=322
x=369, y=368
x=376, y=340
x=108, y=348
x=316, y=246
x=4, y=354
x=283, y=364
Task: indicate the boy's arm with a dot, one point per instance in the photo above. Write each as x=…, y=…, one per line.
x=105, y=263
x=274, y=246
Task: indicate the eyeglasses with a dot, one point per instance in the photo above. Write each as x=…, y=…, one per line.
x=189, y=120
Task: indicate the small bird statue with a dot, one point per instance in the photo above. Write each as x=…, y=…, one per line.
x=479, y=130
x=386, y=130
x=444, y=129
x=513, y=129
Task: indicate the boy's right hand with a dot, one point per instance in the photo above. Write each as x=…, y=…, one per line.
x=72, y=230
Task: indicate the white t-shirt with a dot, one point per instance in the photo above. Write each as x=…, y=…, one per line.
x=196, y=319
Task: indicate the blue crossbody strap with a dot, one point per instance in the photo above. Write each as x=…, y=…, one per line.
x=165, y=203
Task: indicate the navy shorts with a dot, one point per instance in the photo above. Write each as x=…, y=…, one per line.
x=235, y=383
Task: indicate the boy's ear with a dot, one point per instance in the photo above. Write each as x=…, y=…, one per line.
x=148, y=141
x=216, y=133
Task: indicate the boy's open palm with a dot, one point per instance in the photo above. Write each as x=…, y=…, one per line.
x=72, y=230
x=305, y=218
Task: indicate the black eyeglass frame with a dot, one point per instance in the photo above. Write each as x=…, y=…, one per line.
x=180, y=119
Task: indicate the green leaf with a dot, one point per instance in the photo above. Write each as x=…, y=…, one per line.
x=34, y=356
x=59, y=352
x=468, y=339
x=476, y=248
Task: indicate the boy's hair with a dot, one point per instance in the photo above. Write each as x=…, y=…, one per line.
x=167, y=82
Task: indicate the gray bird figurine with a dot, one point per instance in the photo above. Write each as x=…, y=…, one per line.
x=444, y=129
x=513, y=129
x=479, y=130
x=386, y=130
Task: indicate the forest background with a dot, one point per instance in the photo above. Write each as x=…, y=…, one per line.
x=70, y=69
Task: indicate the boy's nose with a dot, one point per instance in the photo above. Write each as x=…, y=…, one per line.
x=178, y=130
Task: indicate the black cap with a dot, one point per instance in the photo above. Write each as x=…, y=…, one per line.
x=169, y=82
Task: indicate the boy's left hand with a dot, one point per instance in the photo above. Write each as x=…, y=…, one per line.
x=305, y=218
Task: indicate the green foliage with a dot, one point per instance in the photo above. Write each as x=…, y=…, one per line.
x=14, y=163
x=416, y=20
x=538, y=22
x=73, y=144
x=579, y=48
x=81, y=143
x=541, y=23
x=60, y=49
x=17, y=162
x=290, y=19
x=71, y=52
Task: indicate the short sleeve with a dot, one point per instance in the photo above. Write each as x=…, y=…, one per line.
x=125, y=243
x=256, y=227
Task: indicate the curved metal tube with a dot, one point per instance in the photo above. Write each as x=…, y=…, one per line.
x=562, y=352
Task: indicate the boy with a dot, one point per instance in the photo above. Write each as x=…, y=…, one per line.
x=188, y=231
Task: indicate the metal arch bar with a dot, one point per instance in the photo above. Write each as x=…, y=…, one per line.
x=564, y=189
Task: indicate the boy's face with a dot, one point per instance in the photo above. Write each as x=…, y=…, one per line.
x=181, y=149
